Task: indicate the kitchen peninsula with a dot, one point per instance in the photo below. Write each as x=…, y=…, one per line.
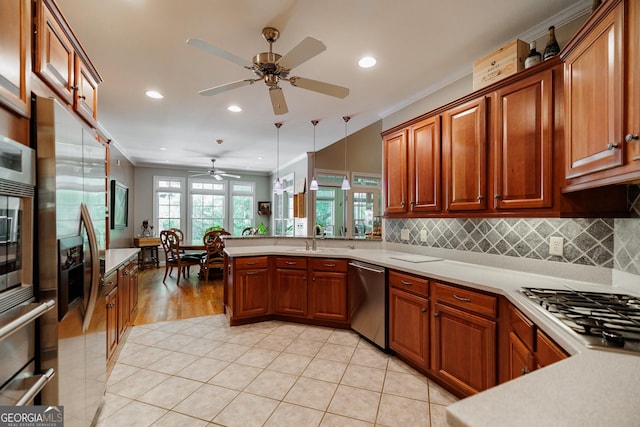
x=566, y=390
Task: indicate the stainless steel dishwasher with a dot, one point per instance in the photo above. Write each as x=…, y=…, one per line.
x=368, y=302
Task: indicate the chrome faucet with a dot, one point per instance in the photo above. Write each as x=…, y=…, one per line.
x=306, y=245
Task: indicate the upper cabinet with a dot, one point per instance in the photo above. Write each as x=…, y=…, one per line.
x=15, y=49
x=61, y=62
x=395, y=172
x=602, y=98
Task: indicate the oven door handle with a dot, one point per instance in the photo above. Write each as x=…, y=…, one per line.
x=35, y=388
x=15, y=324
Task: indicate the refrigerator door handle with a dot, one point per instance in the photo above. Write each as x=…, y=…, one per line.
x=95, y=266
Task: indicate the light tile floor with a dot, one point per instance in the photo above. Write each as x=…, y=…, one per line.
x=201, y=372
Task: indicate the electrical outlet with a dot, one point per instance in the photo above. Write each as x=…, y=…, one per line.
x=556, y=246
x=404, y=234
x=423, y=235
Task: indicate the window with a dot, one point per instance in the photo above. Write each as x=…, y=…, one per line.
x=207, y=206
x=242, y=207
x=326, y=209
x=168, y=202
x=366, y=202
x=283, y=208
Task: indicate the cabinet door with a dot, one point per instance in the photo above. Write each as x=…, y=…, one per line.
x=133, y=292
x=424, y=166
x=85, y=101
x=463, y=349
x=54, y=52
x=112, y=321
x=290, y=292
x=123, y=301
x=409, y=326
x=464, y=138
x=328, y=295
x=523, y=144
x=632, y=52
x=251, y=292
x=15, y=47
x=395, y=173
x=521, y=360
x=547, y=351
x=593, y=96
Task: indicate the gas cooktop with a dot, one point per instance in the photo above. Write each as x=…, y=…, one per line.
x=603, y=320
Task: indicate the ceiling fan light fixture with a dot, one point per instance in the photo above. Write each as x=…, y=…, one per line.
x=234, y=108
x=367, y=62
x=154, y=94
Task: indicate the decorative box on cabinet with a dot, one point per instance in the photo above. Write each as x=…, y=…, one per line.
x=463, y=338
x=62, y=63
x=409, y=318
x=15, y=51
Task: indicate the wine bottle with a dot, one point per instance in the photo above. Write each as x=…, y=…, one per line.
x=534, y=56
x=552, y=47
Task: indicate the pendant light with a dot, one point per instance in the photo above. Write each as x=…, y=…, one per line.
x=345, y=181
x=277, y=185
x=313, y=186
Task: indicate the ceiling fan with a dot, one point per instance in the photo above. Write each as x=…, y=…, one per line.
x=272, y=68
x=215, y=173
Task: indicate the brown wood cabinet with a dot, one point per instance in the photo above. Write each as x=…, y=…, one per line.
x=290, y=286
x=424, y=177
x=395, y=173
x=464, y=157
x=409, y=318
x=523, y=146
x=111, y=313
x=15, y=66
x=251, y=287
x=463, y=338
x=61, y=62
x=328, y=289
x=133, y=291
x=123, y=300
x=547, y=351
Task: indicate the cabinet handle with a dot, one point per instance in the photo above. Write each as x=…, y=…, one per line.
x=412, y=202
x=304, y=277
x=402, y=203
x=329, y=265
x=74, y=88
x=524, y=371
x=82, y=97
x=251, y=273
x=404, y=282
x=612, y=145
x=252, y=263
x=290, y=262
x=497, y=196
x=480, y=197
x=423, y=310
x=630, y=137
x=461, y=298
x=436, y=314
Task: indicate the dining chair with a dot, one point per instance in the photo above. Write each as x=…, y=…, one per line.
x=214, y=257
x=249, y=231
x=174, y=257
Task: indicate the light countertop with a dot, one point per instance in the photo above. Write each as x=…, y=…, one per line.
x=590, y=388
x=113, y=258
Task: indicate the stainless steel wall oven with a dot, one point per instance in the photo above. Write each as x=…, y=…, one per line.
x=20, y=381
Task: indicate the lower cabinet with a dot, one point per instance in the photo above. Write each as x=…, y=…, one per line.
x=251, y=287
x=290, y=287
x=408, y=321
x=121, y=301
x=111, y=314
x=328, y=289
x=463, y=338
x=133, y=291
x=547, y=351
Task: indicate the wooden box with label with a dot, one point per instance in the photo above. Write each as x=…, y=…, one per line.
x=504, y=62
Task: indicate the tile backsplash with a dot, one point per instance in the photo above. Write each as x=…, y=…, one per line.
x=601, y=242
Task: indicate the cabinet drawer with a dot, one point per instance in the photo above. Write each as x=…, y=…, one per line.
x=110, y=282
x=252, y=262
x=413, y=284
x=522, y=327
x=466, y=299
x=291, y=262
x=325, y=264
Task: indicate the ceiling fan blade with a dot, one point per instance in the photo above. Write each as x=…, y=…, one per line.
x=199, y=174
x=302, y=52
x=277, y=101
x=218, y=177
x=320, y=87
x=231, y=175
x=225, y=87
x=207, y=47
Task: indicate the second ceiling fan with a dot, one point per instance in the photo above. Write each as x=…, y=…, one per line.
x=272, y=68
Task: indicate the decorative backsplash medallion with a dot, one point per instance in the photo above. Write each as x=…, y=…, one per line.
x=587, y=241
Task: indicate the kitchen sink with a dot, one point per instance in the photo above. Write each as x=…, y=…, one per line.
x=305, y=250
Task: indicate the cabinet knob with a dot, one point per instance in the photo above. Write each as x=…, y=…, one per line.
x=436, y=314
x=630, y=137
x=612, y=145
x=82, y=97
x=402, y=203
x=412, y=203
x=480, y=197
x=524, y=371
x=497, y=196
x=424, y=310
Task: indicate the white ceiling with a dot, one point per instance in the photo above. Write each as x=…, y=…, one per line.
x=420, y=45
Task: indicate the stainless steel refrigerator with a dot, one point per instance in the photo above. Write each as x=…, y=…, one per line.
x=71, y=227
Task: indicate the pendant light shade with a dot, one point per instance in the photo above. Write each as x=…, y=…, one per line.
x=313, y=185
x=345, y=181
x=277, y=185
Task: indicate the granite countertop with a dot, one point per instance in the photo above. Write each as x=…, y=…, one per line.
x=113, y=258
x=590, y=388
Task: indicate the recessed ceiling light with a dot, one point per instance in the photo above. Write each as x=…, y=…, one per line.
x=234, y=108
x=163, y=149
x=367, y=62
x=259, y=158
x=154, y=94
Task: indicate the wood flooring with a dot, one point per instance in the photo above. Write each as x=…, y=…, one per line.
x=158, y=301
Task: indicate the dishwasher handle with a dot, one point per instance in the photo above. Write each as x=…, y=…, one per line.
x=366, y=267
